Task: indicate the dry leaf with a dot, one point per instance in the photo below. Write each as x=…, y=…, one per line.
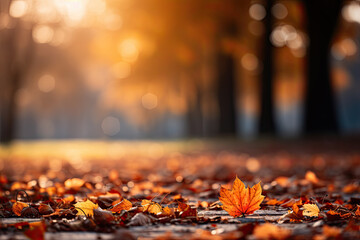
x=151, y=207
x=186, y=211
x=271, y=231
x=311, y=210
x=296, y=215
x=102, y=216
x=88, y=207
x=141, y=219
x=311, y=177
x=167, y=211
x=123, y=205
x=45, y=209
x=240, y=200
x=18, y=207
x=36, y=231
x=357, y=212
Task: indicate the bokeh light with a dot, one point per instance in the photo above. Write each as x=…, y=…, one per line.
x=279, y=11
x=110, y=126
x=257, y=12
x=128, y=50
x=46, y=83
x=18, y=8
x=42, y=34
x=149, y=101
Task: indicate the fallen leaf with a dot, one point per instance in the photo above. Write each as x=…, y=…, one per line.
x=123, y=205
x=186, y=211
x=102, y=216
x=311, y=210
x=141, y=219
x=88, y=208
x=45, y=209
x=332, y=215
x=18, y=207
x=167, y=211
x=296, y=215
x=36, y=231
x=311, y=177
x=30, y=212
x=240, y=200
x=271, y=231
x=291, y=203
x=151, y=207
x=357, y=212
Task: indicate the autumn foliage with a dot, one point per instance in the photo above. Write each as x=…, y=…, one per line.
x=240, y=200
x=203, y=197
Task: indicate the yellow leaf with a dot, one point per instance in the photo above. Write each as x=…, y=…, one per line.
x=151, y=207
x=123, y=205
x=18, y=207
x=311, y=210
x=167, y=211
x=240, y=200
x=88, y=207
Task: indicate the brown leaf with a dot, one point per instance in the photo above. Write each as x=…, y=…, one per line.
x=295, y=215
x=240, y=200
x=45, y=209
x=186, y=211
x=29, y=212
x=18, y=207
x=102, y=216
x=141, y=219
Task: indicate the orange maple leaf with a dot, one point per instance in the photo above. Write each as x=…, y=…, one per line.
x=240, y=200
x=123, y=205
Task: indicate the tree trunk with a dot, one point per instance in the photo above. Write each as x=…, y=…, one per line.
x=320, y=113
x=267, y=125
x=226, y=84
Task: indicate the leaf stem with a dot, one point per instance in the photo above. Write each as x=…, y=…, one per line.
x=19, y=191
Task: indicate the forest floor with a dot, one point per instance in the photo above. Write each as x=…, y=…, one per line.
x=171, y=189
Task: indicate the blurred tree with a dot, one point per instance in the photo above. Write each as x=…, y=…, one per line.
x=320, y=111
x=267, y=125
x=17, y=48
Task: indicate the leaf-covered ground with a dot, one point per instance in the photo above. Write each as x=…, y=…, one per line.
x=156, y=190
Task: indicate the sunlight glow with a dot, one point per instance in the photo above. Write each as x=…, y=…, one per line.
x=121, y=69
x=74, y=10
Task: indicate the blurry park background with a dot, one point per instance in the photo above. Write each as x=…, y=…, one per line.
x=169, y=69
